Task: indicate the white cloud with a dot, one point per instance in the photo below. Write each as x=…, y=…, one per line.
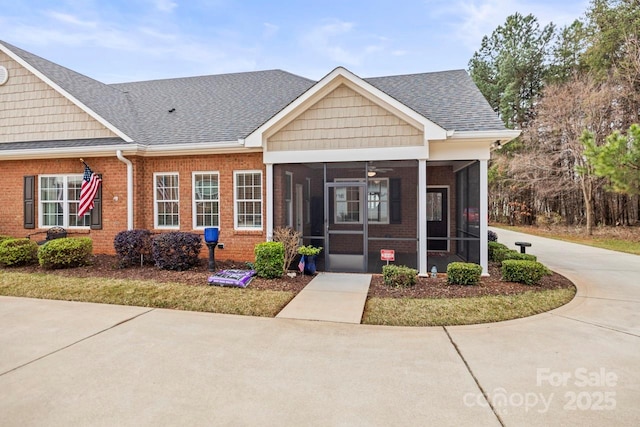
x=341, y=43
x=66, y=18
x=165, y=5
x=472, y=19
x=270, y=30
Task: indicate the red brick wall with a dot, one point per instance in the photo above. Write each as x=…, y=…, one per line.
x=114, y=184
x=238, y=244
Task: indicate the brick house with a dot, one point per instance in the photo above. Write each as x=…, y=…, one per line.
x=357, y=165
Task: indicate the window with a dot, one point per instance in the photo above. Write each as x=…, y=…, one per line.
x=378, y=200
x=166, y=200
x=348, y=202
x=288, y=198
x=59, y=199
x=248, y=199
x=206, y=200
x=307, y=201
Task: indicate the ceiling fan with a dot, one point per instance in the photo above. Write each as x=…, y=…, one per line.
x=373, y=170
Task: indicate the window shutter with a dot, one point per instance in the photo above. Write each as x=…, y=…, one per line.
x=395, y=202
x=96, y=212
x=29, y=201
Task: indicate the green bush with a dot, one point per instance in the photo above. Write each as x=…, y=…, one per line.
x=500, y=255
x=18, y=252
x=2, y=237
x=523, y=271
x=494, y=247
x=399, y=275
x=65, y=252
x=463, y=273
x=269, y=259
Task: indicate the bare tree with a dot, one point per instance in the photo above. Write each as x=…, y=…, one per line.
x=553, y=162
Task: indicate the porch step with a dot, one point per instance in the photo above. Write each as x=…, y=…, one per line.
x=330, y=297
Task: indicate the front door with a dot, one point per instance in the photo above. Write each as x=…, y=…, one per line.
x=437, y=219
x=346, y=227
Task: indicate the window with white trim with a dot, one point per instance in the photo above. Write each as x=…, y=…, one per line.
x=248, y=199
x=348, y=202
x=288, y=198
x=166, y=198
x=206, y=199
x=59, y=200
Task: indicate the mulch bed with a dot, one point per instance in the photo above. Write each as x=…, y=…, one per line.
x=107, y=266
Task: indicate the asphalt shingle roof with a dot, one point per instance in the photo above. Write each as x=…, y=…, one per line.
x=448, y=98
x=227, y=107
x=217, y=108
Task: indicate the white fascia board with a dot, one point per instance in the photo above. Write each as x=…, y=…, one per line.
x=66, y=94
x=66, y=152
x=195, y=149
x=503, y=136
x=128, y=150
x=352, y=154
x=332, y=80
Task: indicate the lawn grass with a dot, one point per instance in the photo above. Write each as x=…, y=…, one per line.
x=462, y=311
x=266, y=303
x=214, y=299
x=601, y=239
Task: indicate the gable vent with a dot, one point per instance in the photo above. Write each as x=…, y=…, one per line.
x=4, y=75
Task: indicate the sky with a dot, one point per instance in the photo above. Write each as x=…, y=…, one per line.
x=131, y=40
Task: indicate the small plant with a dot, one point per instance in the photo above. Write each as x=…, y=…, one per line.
x=269, y=259
x=65, y=252
x=176, y=250
x=493, y=248
x=309, y=250
x=463, y=273
x=522, y=271
x=133, y=247
x=290, y=238
x=492, y=236
x=399, y=275
x=14, y=252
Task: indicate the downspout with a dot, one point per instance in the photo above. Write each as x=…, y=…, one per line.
x=129, y=188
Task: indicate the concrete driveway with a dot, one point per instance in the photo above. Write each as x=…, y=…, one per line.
x=64, y=363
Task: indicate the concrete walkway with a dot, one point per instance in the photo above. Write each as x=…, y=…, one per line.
x=331, y=297
x=65, y=363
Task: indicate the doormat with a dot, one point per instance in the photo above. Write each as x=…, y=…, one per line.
x=238, y=278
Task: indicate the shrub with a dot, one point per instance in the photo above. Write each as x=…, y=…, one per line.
x=505, y=254
x=65, y=252
x=18, y=252
x=463, y=273
x=290, y=238
x=493, y=247
x=518, y=256
x=176, y=250
x=492, y=236
x=2, y=237
x=133, y=246
x=398, y=275
x=522, y=271
x=269, y=259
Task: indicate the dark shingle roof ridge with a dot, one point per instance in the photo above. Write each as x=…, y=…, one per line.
x=108, y=102
x=455, y=70
x=204, y=76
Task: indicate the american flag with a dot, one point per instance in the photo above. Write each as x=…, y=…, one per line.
x=90, y=184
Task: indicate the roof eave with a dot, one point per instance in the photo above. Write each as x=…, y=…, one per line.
x=201, y=149
x=500, y=136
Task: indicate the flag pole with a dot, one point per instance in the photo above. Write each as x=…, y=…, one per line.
x=82, y=160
